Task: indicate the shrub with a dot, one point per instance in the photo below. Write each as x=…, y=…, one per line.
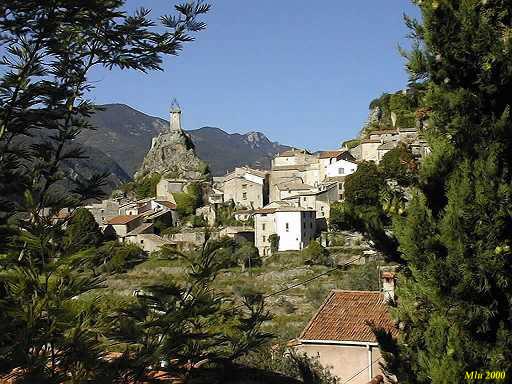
x=315, y=253
x=274, y=242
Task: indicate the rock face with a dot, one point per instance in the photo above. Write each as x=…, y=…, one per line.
x=172, y=153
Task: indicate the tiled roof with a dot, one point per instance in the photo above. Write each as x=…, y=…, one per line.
x=123, y=219
x=293, y=152
x=330, y=154
x=368, y=141
x=140, y=229
x=344, y=314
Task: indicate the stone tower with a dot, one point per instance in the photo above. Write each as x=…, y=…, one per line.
x=172, y=153
x=175, y=118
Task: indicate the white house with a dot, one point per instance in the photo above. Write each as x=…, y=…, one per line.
x=295, y=227
x=340, y=168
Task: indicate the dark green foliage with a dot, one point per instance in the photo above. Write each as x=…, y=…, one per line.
x=315, y=253
x=402, y=103
x=188, y=324
x=363, y=186
x=454, y=286
x=399, y=165
x=274, y=242
x=232, y=253
x=82, y=232
x=48, y=51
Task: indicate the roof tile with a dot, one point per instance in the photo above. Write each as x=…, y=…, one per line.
x=344, y=315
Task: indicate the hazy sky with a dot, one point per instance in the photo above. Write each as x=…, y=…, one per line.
x=302, y=72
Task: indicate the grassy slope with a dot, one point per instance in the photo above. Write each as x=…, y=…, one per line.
x=291, y=310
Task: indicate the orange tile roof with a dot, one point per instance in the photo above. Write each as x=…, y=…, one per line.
x=344, y=315
x=123, y=219
x=330, y=154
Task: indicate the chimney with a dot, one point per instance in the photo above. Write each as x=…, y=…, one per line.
x=388, y=278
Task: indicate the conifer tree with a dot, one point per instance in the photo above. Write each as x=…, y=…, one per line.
x=454, y=294
x=48, y=49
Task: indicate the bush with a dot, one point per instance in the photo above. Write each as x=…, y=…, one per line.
x=274, y=242
x=187, y=202
x=315, y=253
x=363, y=186
x=399, y=164
x=82, y=232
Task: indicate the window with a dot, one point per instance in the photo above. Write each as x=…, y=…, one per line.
x=287, y=226
x=142, y=241
x=244, y=186
x=244, y=196
x=263, y=227
x=341, y=171
x=304, y=198
x=264, y=238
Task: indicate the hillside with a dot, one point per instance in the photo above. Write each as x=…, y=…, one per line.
x=224, y=151
x=124, y=134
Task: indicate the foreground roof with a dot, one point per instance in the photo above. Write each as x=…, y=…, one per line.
x=344, y=315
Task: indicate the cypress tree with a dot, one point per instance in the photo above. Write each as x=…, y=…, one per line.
x=455, y=286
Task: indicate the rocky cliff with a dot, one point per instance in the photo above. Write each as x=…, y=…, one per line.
x=172, y=153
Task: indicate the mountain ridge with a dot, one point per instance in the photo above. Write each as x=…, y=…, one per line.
x=124, y=134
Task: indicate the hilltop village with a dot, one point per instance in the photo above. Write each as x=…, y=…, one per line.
x=284, y=209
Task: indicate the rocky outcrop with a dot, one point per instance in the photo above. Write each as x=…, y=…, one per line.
x=172, y=153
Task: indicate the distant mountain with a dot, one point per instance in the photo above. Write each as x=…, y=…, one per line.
x=124, y=134
x=224, y=151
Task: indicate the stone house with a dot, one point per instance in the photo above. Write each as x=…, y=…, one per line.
x=319, y=200
x=293, y=166
x=166, y=187
x=291, y=188
x=385, y=148
x=246, y=187
x=188, y=238
x=327, y=158
x=149, y=242
x=104, y=211
x=339, y=334
x=369, y=149
x=293, y=157
x=340, y=168
x=238, y=233
x=295, y=226
x=121, y=225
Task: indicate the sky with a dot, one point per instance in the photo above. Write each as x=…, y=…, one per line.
x=302, y=72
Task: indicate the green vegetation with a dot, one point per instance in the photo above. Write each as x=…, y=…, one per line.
x=351, y=143
x=187, y=202
x=82, y=232
x=399, y=165
x=315, y=253
x=403, y=104
x=142, y=187
x=274, y=242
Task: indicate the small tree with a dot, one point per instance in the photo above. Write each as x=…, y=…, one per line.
x=317, y=254
x=363, y=186
x=399, y=164
x=82, y=232
x=274, y=242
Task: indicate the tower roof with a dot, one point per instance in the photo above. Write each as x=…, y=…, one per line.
x=175, y=107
